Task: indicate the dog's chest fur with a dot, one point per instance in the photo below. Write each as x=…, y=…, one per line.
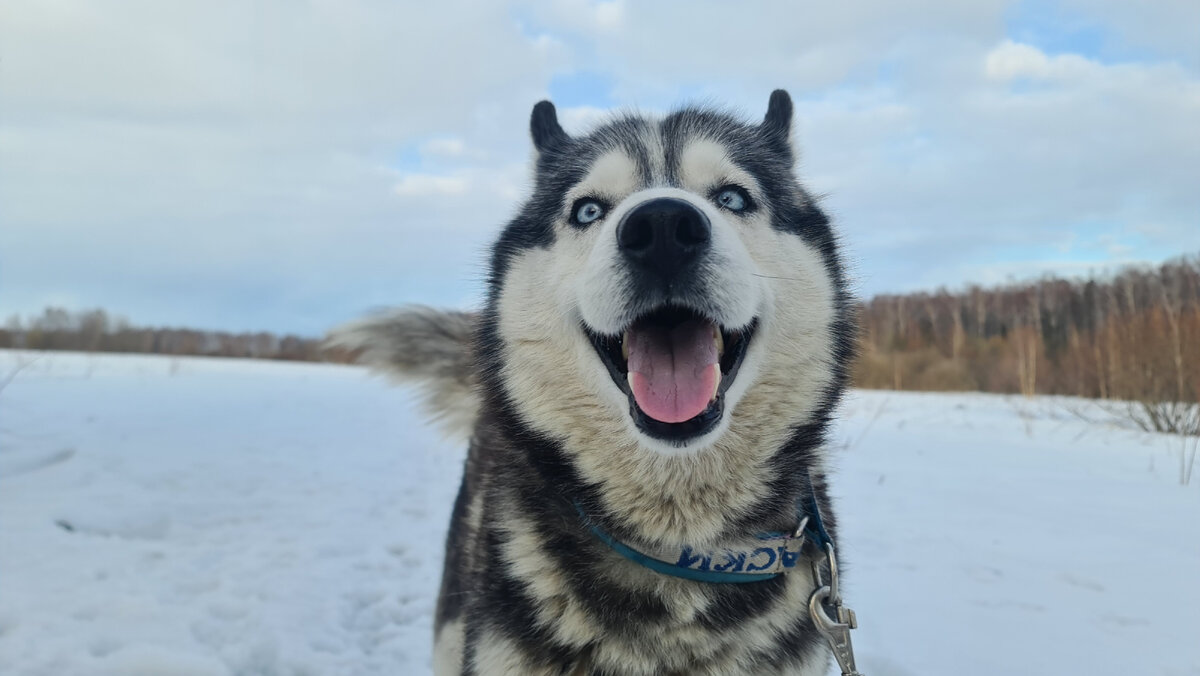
x=528, y=590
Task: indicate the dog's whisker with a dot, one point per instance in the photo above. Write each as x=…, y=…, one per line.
x=789, y=279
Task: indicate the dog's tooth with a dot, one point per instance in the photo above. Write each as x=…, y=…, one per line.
x=717, y=380
x=625, y=346
x=720, y=340
x=629, y=379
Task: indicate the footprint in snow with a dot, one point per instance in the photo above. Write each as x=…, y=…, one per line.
x=14, y=464
x=1082, y=583
x=135, y=525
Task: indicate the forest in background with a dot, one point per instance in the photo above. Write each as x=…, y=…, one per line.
x=97, y=331
x=1132, y=336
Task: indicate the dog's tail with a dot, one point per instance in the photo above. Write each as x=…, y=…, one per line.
x=433, y=348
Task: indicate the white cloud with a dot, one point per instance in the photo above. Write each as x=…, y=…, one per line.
x=610, y=15
x=584, y=16
x=1012, y=60
x=579, y=119
x=156, y=158
x=190, y=160
x=1165, y=27
x=444, y=147
x=425, y=185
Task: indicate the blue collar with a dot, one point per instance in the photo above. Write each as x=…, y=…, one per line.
x=763, y=557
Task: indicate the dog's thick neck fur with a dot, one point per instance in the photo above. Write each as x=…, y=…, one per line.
x=749, y=482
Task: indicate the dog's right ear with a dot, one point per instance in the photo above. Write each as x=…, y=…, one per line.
x=543, y=126
x=777, y=125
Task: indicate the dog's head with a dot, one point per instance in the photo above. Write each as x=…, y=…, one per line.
x=669, y=285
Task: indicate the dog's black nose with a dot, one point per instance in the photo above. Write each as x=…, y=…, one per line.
x=664, y=234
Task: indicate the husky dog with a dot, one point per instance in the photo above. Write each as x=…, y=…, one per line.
x=646, y=393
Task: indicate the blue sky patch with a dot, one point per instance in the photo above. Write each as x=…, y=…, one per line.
x=408, y=159
x=1055, y=29
x=582, y=88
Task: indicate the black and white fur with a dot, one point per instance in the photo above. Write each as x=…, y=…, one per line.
x=527, y=589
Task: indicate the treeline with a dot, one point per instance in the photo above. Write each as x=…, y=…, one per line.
x=1133, y=336
x=96, y=331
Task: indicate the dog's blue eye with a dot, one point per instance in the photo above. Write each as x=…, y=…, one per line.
x=588, y=211
x=732, y=198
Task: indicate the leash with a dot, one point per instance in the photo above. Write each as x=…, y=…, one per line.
x=770, y=555
x=835, y=629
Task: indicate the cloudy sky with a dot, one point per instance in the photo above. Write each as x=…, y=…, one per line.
x=288, y=165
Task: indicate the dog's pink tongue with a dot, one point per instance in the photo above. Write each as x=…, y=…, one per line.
x=671, y=370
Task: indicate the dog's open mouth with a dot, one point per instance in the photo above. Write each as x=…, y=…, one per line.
x=675, y=365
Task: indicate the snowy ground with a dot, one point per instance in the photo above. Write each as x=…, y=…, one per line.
x=171, y=517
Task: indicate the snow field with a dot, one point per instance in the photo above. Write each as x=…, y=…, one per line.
x=209, y=517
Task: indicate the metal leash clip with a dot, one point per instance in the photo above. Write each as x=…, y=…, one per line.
x=836, y=630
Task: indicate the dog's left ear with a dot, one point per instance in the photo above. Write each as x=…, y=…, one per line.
x=544, y=128
x=777, y=125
